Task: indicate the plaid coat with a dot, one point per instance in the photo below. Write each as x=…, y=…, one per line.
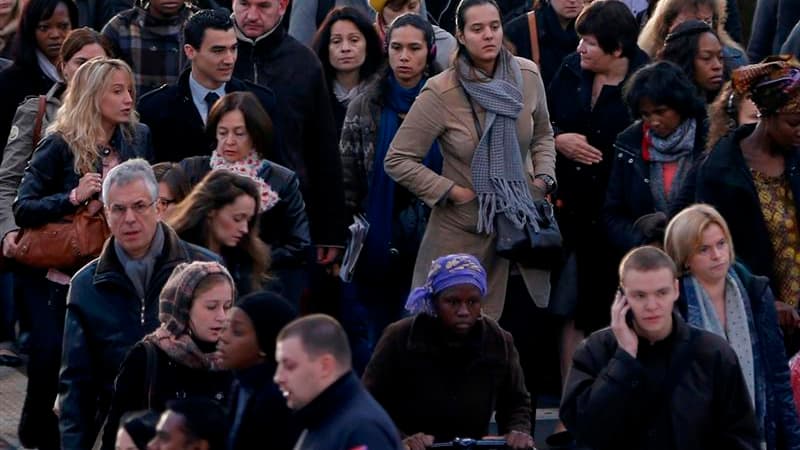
x=152, y=47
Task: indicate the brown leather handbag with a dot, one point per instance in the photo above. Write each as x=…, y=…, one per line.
x=67, y=244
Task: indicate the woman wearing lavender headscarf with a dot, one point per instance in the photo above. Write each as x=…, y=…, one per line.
x=441, y=372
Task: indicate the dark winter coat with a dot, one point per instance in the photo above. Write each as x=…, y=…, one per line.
x=17, y=83
x=265, y=414
x=285, y=226
x=43, y=195
x=104, y=320
x=782, y=429
x=773, y=20
x=725, y=182
x=629, y=196
x=555, y=43
x=179, y=131
x=344, y=417
x=293, y=71
x=615, y=401
x=172, y=381
x=427, y=386
x=582, y=188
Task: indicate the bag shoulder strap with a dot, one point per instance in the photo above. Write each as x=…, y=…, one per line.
x=534, y=32
x=37, y=124
x=150, y=372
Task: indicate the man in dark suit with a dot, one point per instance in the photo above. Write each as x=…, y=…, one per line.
x=176, y=114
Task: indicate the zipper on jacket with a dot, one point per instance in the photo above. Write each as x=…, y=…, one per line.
x=255, y=71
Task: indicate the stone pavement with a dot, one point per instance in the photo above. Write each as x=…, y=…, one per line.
x=12, y=394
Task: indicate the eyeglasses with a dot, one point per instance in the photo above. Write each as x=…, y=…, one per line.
x=138, y=209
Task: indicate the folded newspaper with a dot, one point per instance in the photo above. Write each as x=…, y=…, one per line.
x=358, y=233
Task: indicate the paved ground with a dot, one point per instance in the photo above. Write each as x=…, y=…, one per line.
x=12, y=394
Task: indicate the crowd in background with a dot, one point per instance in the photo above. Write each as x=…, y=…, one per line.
x=223, y=151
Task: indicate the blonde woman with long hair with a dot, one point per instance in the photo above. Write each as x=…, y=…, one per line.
x=668, y=14
x=95, y=129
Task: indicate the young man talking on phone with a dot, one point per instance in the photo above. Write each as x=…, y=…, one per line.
x=650, y=381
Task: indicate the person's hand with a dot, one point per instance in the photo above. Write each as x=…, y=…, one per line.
x=90, y=184
x=575, y=147
x=519, y=440
x=787, y=315
x=652, y=226
x=419, y=441
x=10, y=244
x=626, y=337
x=327, y=255
x=459, y=194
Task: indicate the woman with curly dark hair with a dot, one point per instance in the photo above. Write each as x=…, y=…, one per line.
x=221, y=214
x=653, y=156
x=697, y=50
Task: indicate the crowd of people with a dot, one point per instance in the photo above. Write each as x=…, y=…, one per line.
x=179, y=181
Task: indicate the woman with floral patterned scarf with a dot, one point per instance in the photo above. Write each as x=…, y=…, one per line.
x=177, y=360
x=243, y=131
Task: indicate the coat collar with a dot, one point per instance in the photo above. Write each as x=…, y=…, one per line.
x=109, y=266
x=329, y=403
x=267, y=40
x=485, y=340
x=233, y=85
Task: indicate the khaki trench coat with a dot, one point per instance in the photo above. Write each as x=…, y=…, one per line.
x=442, y=112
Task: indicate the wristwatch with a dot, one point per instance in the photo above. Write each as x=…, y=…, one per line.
x=549, y=182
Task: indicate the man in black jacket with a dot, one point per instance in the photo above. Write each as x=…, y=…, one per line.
x=315, y=376
x=176, y=114
x=652, y=382
x=113, y=301
x=268, y=55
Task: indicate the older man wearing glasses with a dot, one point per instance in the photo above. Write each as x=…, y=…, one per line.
x=113, y=301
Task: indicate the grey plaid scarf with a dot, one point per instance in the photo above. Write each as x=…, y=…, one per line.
x=498, y=174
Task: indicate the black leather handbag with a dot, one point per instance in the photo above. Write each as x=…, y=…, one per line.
x=537, y=246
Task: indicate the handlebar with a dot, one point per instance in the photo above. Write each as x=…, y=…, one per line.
x=471, y=443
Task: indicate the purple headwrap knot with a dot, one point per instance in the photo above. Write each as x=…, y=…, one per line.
x=447, y=271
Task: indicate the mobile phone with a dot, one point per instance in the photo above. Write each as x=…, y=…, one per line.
x=629, y=314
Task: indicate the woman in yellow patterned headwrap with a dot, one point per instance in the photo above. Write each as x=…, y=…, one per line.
x=752, y=176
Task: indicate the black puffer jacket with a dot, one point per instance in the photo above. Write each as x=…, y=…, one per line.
x=104, y=320
x=629, y=196
x=615, y=401
x=285, y=226
x=43, y=195
x=293, y=71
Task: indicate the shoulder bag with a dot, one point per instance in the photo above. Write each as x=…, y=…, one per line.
x=536, y=245
x=67, y=244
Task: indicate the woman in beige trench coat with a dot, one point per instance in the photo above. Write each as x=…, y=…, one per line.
x=445, y=111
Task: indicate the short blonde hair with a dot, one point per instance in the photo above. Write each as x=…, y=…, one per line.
x=685, y=232
x=79, y=120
